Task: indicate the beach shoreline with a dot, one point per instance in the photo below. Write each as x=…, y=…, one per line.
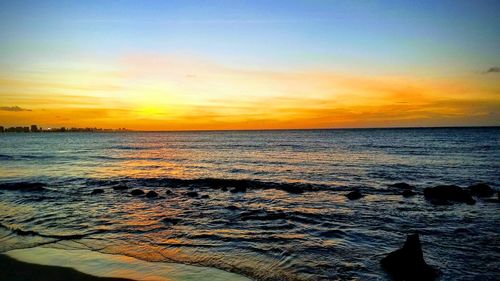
x=40, y=263
x=14, y=270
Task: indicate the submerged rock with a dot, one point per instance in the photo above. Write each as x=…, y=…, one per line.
x=192, y=194
x=205, y=196
x=401, y=185
x=169, y=192
x=408, y=263
x=408, y=193
x=151, y=194
x=444, y=194
x=354, y=195
x=97, y=191
x=481, y=190
x=137, y=192
x=224, y=189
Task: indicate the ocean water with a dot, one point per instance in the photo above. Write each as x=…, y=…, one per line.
x=292, y=223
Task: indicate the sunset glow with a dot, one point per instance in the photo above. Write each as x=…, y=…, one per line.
x=242, y=66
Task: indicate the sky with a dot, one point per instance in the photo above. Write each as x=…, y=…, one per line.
x=218, y=65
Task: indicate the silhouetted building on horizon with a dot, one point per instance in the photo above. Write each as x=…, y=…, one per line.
x=36, y=129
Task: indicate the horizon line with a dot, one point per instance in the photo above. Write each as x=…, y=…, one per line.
x=320, y=129
x=120, y=130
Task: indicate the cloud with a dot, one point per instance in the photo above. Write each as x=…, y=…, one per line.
x=13, y=108
x=495, y=69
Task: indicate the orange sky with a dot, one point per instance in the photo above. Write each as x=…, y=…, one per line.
x=168, y=93
x=191, y=65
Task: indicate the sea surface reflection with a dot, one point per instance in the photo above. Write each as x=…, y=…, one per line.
x=268, y=231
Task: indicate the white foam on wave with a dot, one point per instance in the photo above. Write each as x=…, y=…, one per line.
x=106, y=265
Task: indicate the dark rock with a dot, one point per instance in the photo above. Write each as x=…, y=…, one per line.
x=224, y=189
x=192, y=194
x=151, y=194
x=137, y=192
x=481, y=190
x=169, y=192
x=444, y=194
x=239, y=189
x=172, y=221
x=408, y=193
x=205, y=196
x=401, y=185
x=353, y=195
x=23, y=186
x=97, y=191
x=408, y=263
x=120, y=187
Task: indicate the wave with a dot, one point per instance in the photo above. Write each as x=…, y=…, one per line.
x=22, y=232
x=128, y=147
x=6, y=157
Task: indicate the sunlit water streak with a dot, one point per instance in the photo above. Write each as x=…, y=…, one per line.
x=265, y=233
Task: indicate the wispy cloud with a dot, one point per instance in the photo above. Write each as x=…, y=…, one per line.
x=494, y=69
x=155, y=92
x=13, y=108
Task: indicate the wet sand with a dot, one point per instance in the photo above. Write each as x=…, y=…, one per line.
x=42, y=264
x=14, y=270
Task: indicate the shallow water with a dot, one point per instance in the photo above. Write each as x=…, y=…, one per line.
x=119, y=266
x=266, y=233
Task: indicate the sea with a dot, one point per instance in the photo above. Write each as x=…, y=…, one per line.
x=269, y=205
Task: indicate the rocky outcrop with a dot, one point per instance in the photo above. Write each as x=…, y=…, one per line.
x=408, y=263
x=151, y=194
x=446, y=194
x=137, y=192
x=354, y=195
x=481, y=190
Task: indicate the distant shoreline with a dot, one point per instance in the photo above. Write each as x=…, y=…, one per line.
x=256, y=130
